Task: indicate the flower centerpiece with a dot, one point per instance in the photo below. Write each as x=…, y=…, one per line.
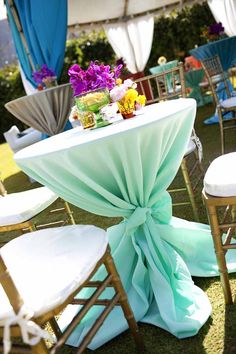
x=127, y=97
x=214, y=32
x=44, y=77
x=91, y=88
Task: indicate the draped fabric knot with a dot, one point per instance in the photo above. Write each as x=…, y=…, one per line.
x=30, y=331
x=138, y=218
x=161, y=211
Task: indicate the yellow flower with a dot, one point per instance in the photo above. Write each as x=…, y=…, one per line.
x=118, y=82
x=161, y=60
x=131, y=95
x=141, y=99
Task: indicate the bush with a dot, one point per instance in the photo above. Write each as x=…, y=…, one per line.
x=92, y=46
x=10, y=88
x=175, y=35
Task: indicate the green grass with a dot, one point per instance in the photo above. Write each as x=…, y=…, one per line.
x=218, y=334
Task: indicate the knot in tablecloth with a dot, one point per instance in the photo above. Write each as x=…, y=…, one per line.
x=138, y=218
x=161, y=212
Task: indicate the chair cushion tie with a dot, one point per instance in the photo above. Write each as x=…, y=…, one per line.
x=28, y=328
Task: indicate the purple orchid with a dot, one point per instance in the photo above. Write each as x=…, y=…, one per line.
x=95, y=77
x=216, y=28
x=42, y=73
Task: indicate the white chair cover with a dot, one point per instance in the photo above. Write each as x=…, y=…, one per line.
x=48, y=265
x=22, y=206
x=220, y=178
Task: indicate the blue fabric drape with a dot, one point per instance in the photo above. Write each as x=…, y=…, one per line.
x=225, y=48
x=44, y=25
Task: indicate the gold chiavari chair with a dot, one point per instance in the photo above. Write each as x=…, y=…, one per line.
x=18, y=210
x=219, y=196
x=219, y=84
x=170, y=84
x=30, y=298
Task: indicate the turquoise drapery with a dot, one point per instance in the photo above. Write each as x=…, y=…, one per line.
x=225, y=48
x=193, y=79
x=124, y=170
x=44, y=25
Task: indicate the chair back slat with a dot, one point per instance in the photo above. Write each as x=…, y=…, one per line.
x=217, y=78
x=166, y=85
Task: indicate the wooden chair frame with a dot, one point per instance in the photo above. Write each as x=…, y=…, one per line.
x=158, y=85
x=159, y=90
x=218, y=229
x=29, y=225
x=112, y=280
x=216, y=75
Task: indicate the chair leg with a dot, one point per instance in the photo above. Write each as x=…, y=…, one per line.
x=189, y=187
x=128, y=313
x=2, y=189
x=56, y=329
x=222, y=138
x=32, y=227
x=40, y=348
x=220, y=253
x=69, y=213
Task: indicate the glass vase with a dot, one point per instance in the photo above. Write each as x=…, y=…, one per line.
x=93, y=101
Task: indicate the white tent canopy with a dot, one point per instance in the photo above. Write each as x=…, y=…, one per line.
x=81, y=12
x=129, y=24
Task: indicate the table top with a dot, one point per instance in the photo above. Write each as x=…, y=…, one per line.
x=225, y=48
x=65, y=162
x=77, y=137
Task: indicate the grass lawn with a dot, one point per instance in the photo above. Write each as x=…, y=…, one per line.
x=218, y=334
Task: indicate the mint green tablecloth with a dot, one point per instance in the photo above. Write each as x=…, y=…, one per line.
x=124, y=170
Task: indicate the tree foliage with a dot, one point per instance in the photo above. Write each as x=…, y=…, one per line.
x=176, y=34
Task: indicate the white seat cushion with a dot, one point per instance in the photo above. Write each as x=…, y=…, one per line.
x=229, y=103
x=220, y=177
x=19, y=207
x=190, y=148
x=48, y=265
x=18, y=140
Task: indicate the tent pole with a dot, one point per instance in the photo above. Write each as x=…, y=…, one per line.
x=19, y=27
x=126, y=7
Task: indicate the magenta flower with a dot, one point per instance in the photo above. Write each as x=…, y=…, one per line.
x=97, y=76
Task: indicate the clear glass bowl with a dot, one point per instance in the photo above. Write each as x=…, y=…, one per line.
x=92, y=101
